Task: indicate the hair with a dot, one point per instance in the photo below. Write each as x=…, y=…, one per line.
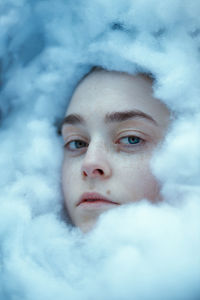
x=147, y=75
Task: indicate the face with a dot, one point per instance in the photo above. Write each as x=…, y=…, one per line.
x=111, y=128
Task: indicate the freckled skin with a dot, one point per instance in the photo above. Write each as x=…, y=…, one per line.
x=110, y=164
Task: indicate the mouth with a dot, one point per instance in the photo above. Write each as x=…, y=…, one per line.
x=93, y=199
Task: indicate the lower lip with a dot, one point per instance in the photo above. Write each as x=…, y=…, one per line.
x=96, y=203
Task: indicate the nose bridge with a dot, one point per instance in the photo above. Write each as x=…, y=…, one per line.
x=96, y=161
x=96, y=152
x=96, y=148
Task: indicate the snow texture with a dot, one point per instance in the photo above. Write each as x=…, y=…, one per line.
x=139, y=251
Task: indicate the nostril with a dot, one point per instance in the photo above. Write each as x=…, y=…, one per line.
x=93, y=172
x=100, y=171
x=84, y=173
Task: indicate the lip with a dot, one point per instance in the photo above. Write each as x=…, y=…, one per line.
x=98, y=198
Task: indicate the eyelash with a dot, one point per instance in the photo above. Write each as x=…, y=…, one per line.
x=138, y=142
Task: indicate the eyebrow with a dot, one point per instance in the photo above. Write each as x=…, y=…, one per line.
x=126, y=115
x=118, y=116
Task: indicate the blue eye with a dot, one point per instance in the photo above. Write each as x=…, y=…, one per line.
x=76, y=144
x=131, y=140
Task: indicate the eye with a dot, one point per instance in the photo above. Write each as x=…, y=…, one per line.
x=130, y=140
x=75, y=145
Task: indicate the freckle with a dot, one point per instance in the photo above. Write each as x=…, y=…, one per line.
x=108, y=192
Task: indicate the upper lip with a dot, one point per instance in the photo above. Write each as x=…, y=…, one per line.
x=94, y=195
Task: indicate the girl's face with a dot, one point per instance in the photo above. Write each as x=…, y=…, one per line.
x=111, y=128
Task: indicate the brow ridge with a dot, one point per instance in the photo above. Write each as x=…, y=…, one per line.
x=117, y=116
x=126, y=115
x=73, y=119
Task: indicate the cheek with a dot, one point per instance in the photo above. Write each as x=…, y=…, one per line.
x=70, y=170
x=68, y=178
x=68, y=182
x=139, y=181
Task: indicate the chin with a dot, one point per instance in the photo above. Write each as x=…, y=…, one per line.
x=87, y=226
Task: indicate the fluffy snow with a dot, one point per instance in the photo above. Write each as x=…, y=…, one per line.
x=139, y=251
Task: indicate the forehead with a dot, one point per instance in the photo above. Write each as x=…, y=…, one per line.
x=103, y=91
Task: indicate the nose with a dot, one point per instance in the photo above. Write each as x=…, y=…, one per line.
x=96, y=164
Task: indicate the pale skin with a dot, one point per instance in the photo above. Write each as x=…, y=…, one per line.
x=112, y=126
